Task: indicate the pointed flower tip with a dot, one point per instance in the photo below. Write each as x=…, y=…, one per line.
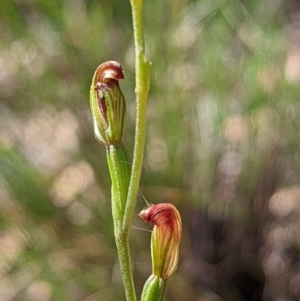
x=107, y=103
x=165, y=237
x=108, y=71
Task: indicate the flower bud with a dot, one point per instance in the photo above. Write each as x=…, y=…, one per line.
x=107, y=103
x=165, y=237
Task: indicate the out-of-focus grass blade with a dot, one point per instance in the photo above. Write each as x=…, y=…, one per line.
x=25, y=182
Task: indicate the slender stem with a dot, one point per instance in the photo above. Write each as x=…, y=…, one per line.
x=122, y=189
x=141, y=90
x=119, y=169
x=122, y=243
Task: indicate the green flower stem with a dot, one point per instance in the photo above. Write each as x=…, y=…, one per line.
x=119, y=169
x=142, y=72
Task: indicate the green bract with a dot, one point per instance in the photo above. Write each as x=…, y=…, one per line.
x=154, y=289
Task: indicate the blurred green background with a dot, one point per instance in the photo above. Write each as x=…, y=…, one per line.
x=222, y=145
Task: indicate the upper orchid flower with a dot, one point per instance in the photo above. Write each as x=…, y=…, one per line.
x=107, y=103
